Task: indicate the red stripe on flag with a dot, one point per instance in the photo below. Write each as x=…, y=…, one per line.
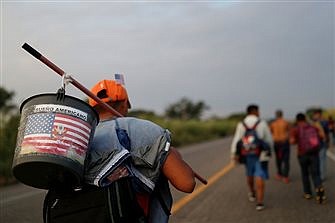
x=40, y=140
x=53, y=146
x=72, y=124
x=78, y=139
x=74, y=119
x=85, y=136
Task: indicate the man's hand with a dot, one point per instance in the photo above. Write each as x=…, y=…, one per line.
x=236, y=159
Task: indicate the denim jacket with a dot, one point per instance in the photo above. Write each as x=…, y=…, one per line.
x=148, y=149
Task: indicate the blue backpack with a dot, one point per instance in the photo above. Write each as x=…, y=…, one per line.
x=250, y=144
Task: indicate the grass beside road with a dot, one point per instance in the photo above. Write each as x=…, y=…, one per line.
x=194, y=131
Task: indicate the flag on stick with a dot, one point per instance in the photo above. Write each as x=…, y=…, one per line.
x=119, y=78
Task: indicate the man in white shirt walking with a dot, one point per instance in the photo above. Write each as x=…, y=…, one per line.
x=256, y=164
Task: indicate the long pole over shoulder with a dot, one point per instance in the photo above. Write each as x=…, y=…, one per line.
x=59, y=71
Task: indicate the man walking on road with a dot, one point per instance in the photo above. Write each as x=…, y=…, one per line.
x=318, y=121
x=256, y=166
x=307, y=138
x=154, y=162
x=280, y=133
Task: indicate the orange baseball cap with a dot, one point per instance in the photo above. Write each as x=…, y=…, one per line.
x=107, y=91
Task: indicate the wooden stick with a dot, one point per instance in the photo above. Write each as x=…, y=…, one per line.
x=59, y=71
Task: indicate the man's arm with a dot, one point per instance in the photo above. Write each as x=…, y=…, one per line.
x=268, y=136
x=293, y=136
x=272, y=127
x=237, y=136
x=178, y=172
x=321, y=132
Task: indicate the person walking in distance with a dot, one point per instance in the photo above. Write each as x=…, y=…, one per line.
x=319, y=122
x=280, y=133
x=307, y=136
x=331, y=125
x=251, y=155
x=153, y=161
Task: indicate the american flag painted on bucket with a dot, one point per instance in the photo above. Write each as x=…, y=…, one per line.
x=58, y=134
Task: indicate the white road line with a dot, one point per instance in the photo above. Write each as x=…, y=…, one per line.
x=186, y=199
x=331, y=155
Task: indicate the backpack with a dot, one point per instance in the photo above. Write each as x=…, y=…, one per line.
x=116, y=203
x=113, y=204
x=250, y=143
x=308, y=139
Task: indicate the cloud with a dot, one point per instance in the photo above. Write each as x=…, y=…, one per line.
x=275, y=54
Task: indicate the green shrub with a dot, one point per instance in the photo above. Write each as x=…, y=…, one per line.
x=8, y=133
x=193, y=131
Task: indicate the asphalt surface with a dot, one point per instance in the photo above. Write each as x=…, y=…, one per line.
x=223, y=200
x=226, y=200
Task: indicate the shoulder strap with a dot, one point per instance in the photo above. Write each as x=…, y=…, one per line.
x=256, y=124
x=46, y=203
x=124, y=140
x=165, y=208
x=122, y=136
x=252, y=128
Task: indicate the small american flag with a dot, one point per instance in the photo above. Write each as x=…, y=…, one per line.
x=119, y=78
x=58, y=134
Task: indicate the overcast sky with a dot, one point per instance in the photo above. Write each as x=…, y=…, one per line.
x=227, y=54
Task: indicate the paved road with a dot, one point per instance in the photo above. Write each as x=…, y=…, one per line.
x=224, y=200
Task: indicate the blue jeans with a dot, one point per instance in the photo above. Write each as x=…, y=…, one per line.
x=282, y=150
x=323, y=159
x=310, y=166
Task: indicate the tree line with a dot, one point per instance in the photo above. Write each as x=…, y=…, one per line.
x=9, y=122
x=182, y=118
